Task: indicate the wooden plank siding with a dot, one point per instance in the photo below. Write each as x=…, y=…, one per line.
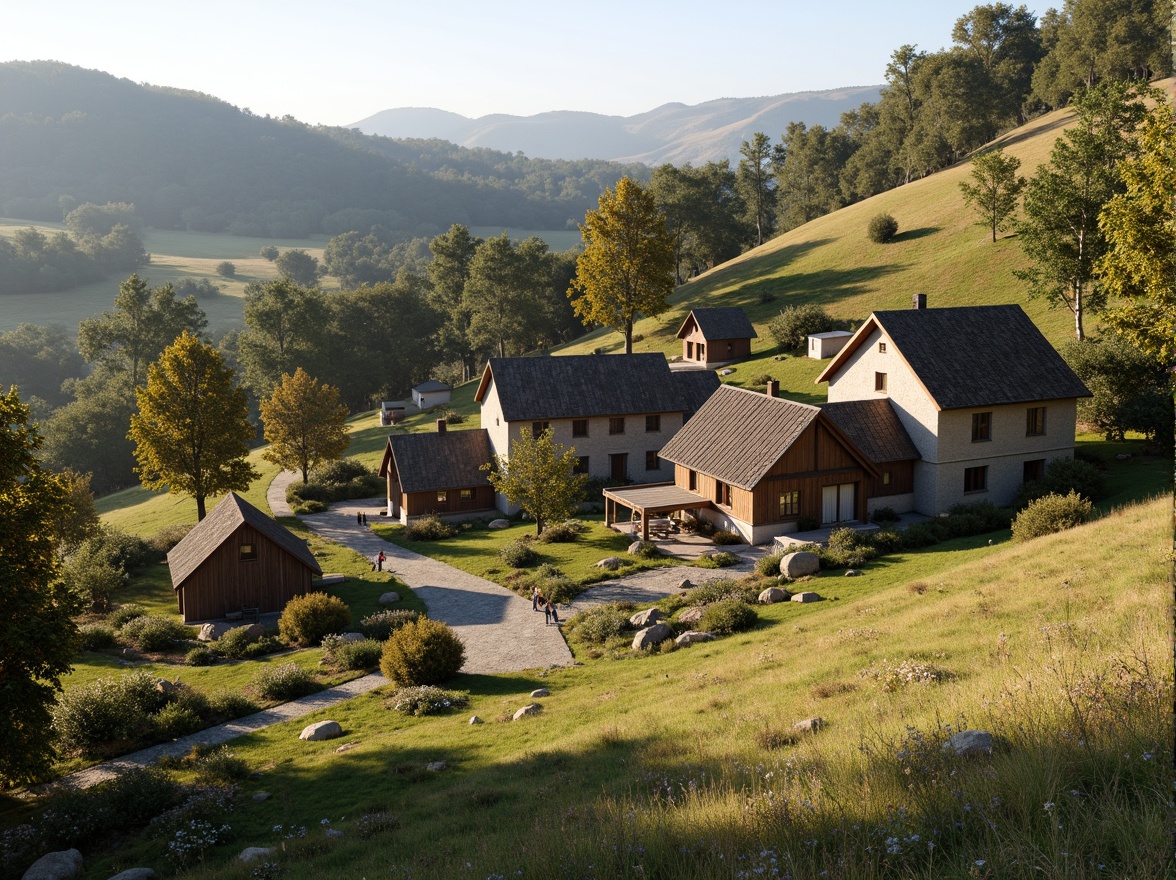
x=902, y=479
x=224, y=582
x=421, y=503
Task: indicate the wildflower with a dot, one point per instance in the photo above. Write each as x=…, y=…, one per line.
x=1049, y=805
x=1147, y=756
x=980, y=863
x=325, y=822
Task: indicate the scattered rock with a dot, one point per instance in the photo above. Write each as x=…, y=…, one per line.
x=352, y=637
x=130, y=653
x=328, y=580
x=250, y=853
x=691, y=615
x=651, y=635
x=167, y=688
x=533, y=709
x=809, y=725
x=772, y=595
x=635, y=547
x=334, y=832
x=255, y=631
x=321, y=730
x=800, y=563
x=1123, y=456
x=648, y=617
x=852, y=573
x=390, y=598
x=691, y=636
x=541, y=692
x=435, y=766
x=685, y=584
x=806, y=597
x=726, y=372
x=261, y=796
x=500, y=524
x=62, y=865
x=210, y=632
x=474, y=719
x=970, y=743
x=612, y=563
x=135, y=874
x=346, y=747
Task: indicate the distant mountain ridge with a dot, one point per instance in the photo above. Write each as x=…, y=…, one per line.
x=674, y=132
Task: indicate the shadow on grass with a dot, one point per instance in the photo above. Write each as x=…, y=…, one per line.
x=912, y=234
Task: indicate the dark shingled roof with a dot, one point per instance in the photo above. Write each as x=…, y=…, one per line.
x=579, y=386
x=738, y=435
x=874, y=427
x=432, y=385
x=974, y=355
x=428, y=462
x=726, y=322
x=695, y=387
x=212, y=531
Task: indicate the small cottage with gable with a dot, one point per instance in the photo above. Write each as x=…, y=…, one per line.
x=714, y=336
x=437, y=473
x=431, y=393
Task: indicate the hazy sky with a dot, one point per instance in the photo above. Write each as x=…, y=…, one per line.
x=339, y=62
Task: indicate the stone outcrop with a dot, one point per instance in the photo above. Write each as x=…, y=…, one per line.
x=62, y=865
x=800, y=564
x=321, y=730
x=772, y=595
x=970, y=743
x=533, y=709
x=806, y=597
x=651, y=635
x=691, y=637
x=648, y=617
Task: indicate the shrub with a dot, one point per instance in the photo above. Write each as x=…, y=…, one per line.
x=882, y=228
x=791, y=328
x=302, y=508
x=551, y=583
x=106, y=710
x=364, y=654
x=426, y=700
x=962, y=521
x=722, y=559
x=175, y=720
x=128, y=552
x=289, y=681
x=846, y=548
x=762, y=379
x=453, y=417
x=893, y=676
x=167, y=538
x=231, y=704
x=154, y=632
x=200, y=656
x=339, y=472
x=296, y=492
x=267, y=644
x=226, y=269
x=718, y=591
x=234, y=643
x=222, y=765
x=519, y=554
x=307, y=618
x=885, y=516
x=124, y=614
x=1052, y=513
x=769, y=566
x=727, y=616
x=382, y=624
x=93, y=580
x=600, y=624
x=270, y=252
x=422, y=652
x=723, y=537
x=1063, y=476
x=96, y=636
x=559, y=533
x=429, y=528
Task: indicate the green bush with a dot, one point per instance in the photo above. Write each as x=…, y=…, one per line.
x=598, y=625
x=93, y=580
x=297, y=492
x=175, y=720
x=105, y=711
x=885, y=516
x=725, y=538
x=453, y=417
x=339, y=472
x=289, y=681
x=166, y=538
x=519, y=554
x=304, y=508
x=270, y=252
x=154, y=632
x=962, y=521
x=722, y=559
x=882, y=228
x=1051, y=513
x=363, y=654
x=847, y=548
x=235, y=643
x=200, y=656
x=267, y=644
x=96, y=636
x=307, y=618
x=720, y=590
x=128, y=552
x=222, y=766
x=124, y=614
x=228, y=705
x=429, y=528
x=791, y=328
x=382, y=624
x=226, y=269
x=1063, y=476
x=769, y=566
x=426, y=700
x=726, y=617
x=422, y=652
x=559, y=533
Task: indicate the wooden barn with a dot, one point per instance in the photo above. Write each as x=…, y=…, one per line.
x=716, y=335
x=238, y=560
x=438, y=473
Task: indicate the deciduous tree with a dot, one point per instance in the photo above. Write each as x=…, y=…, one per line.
x=627, y=267
x=994, y=189
x=539, y=476
x=285, y=328
x=757, y=185
x=192, y=430
x=305, y=423
x=298, y=266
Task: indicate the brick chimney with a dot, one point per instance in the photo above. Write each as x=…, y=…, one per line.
x=919, y=301
x=440, y=426
x=774, y=388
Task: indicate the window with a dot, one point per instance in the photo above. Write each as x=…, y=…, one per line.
x=581, y=465
x=616, y=425
x=538, y=428
x=881, y=348
x=692, y=480
x=1035, y=421
x=981, y=426
x=248, y=552
x=1033, y=470
x=789, y=504
x=879, y=381
x=467, y=494
x=722, y=493
x=730, y=348
x=886, y=478
x=651, y=461
x=689, y=350
x=442, y=497
x=579, y=427
x=976, y=479
x=652, y=424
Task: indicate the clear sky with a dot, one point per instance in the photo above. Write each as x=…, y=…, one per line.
x=338, y=62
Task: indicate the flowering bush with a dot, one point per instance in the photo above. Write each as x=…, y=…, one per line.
x=286, y=682
x=426, y=700
x=893, y=676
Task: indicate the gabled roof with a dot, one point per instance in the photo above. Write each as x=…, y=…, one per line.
x=724, y=322
x=432, y=385
x=874, y=427
x=971, y=356
x=212, y=531
x=429, y=462
x=738, y=435
x=695, y=388
x=579, y=386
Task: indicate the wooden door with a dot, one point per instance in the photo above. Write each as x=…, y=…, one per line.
x=845, y=507
x=837, y=504
x=619, y=466
x=828, y=505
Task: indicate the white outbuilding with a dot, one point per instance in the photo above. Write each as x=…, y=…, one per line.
x=825, y=345
x=430, y=394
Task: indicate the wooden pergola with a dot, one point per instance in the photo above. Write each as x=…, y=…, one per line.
x=650, y=499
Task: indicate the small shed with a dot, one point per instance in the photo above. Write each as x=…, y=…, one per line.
x=716, y=335
x=431, y=393
x=392, y=411
x=825, y=345
x=237, y=559
x=438, y=473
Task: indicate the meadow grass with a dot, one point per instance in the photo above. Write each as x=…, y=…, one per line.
x=557, y=239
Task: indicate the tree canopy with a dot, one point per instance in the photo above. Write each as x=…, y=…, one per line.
x=994, y=189
x=539, y=476
x=305, y=424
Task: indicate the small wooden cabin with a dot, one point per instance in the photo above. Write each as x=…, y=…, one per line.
x=237, y=559
x=438, y=473
x=431, y=393
x=716, y=335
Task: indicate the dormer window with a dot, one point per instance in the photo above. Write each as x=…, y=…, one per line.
x=881, y=348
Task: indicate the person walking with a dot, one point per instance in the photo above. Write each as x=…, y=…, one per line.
x=364, y=518
x=358, y=518
x=547, y=613
x=380, y=561
x=534, y=598
x=554, y=613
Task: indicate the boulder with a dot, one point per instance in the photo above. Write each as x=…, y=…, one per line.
x=772, y=595
x=726, y=372
x=474, y=719
x=691, y=615
x=533, y=709
x=651, y=635
x=252, y=853
x=800, y=563
x=806, y=597
x=540, y=692
x=612, y=563
x=346, y=747
x=167, y=688
x=852, y=573
x=329, y=580
x=135, y=874
x=648, y=617
x=389, y=598
x=321, y=730
x=500, y=524
x=435, y=766
x=809, y=725
x=210, y=632
x=62, y=865
x=635, y=548
x=969, y=743
x=685, y=584
x=691, y=636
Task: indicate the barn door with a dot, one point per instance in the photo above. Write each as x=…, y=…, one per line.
x=828, y=505
x=837, y=504
x=845, y=511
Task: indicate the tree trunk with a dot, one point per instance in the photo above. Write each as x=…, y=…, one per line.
x=304, y=479
x=199, y=508
x=629, y=336
x=1078, y=311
